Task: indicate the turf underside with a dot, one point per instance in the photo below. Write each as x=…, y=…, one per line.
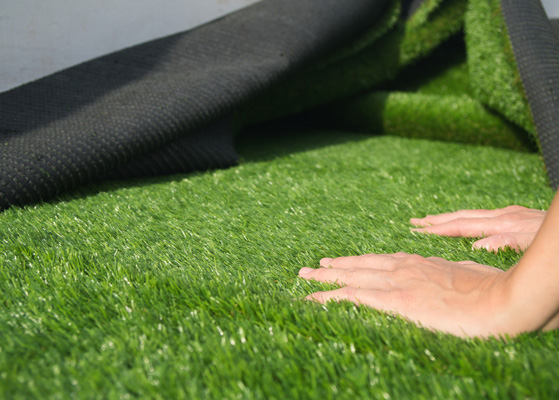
x=186, y=286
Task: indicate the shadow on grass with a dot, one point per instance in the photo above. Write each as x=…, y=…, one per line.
x=290, y=135
x=262, y=142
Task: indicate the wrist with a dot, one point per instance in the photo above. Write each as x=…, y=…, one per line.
x=525, y=304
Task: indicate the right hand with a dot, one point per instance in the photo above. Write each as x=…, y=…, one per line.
x=462, y=298
x=513, y=226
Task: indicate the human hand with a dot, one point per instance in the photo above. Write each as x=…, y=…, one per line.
x=462, y=298
x=513, y=226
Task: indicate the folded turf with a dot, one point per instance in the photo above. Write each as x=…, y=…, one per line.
x=466, y=89
x=168, y=106
x=371, y=60
x=493, y=70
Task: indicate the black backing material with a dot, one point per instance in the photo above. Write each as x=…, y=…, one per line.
x=555, y=26
x=133, y=113
x=209, y=147
x=536, y=50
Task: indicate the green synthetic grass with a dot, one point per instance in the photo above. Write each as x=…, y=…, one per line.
x=428, y=116
x=186, y=287
x=467, y=90
x=493, y=70
x=432, y=99
x=446, y=73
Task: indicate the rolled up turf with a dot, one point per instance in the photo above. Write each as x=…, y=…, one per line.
x=173, y=105
x=95, y=119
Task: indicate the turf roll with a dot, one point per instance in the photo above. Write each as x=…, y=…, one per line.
x=536, y=49
x=385, y=66
x=85, y=122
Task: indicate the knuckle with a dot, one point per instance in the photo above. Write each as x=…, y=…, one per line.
x=348, y=292
x=508, y=239
x=515, y=208
x=352, y=274
x=415, y=258
x=318, y=273
x=399, y=275
x=363, y=261
x=401, y=296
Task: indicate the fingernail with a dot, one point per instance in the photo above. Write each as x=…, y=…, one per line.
x=305, y=271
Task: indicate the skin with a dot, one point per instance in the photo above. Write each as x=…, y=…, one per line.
x=513, y=226
x=463, y=298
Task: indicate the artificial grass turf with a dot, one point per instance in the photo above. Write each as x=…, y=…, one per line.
x=433, y=99
x=447, y=73
x=493, y=70
x=467, y=90
x=186, y=287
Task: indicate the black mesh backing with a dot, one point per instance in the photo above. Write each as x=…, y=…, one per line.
x=134, y=112
x=209, y=147
x=555, y=26
x=536, y=49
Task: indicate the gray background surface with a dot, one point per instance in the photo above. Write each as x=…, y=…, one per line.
x=39, y=37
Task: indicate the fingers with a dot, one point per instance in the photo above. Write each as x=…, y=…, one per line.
x=371, y=271
x=377, y=261
x=464, y=227
x=378, y=299
x=365, y=278
x=515, y=241
x=467, y=262
x=513, y=226
x=447, y=217
x=470, y=214
x=367, y=271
